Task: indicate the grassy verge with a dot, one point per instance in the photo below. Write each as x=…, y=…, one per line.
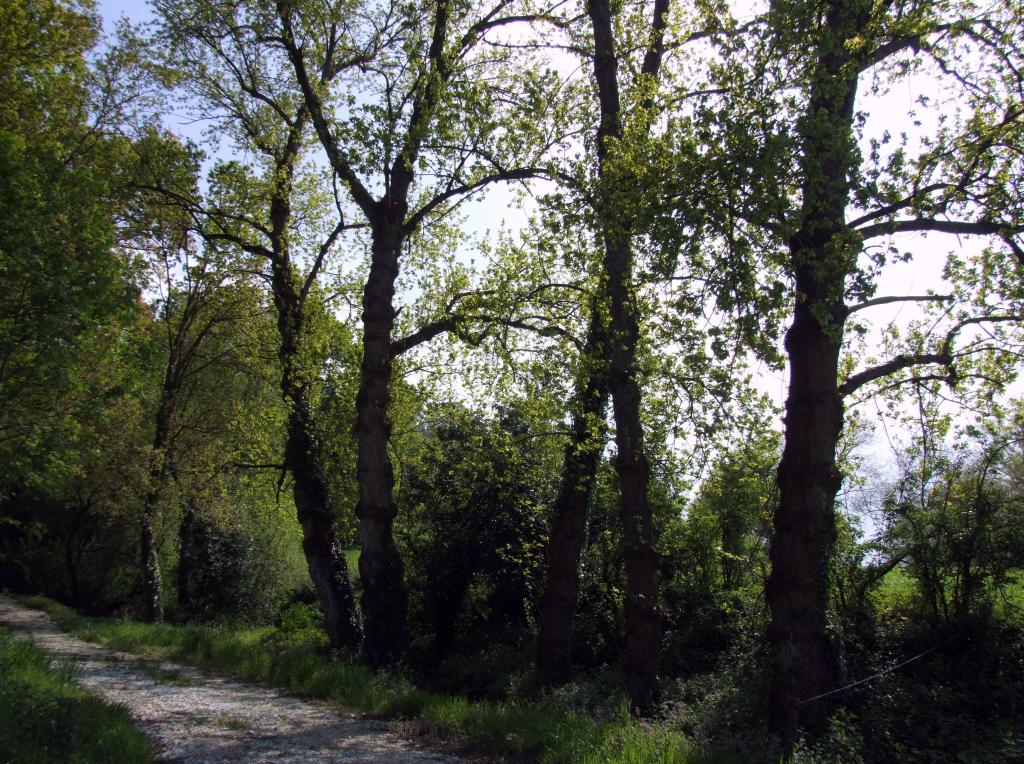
x=291, y=657
x=46, y=717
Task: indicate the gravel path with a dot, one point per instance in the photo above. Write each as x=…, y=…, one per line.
x=195, y=717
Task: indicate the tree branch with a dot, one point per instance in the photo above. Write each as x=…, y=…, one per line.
x=902, y=204
x=902, y=361
x=423, y=334
x=905, y=298
x=523, y=173
x=966, y=227
x=340, y=165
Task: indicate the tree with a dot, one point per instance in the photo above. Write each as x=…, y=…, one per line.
x=587, y=441
x=235, y=75
x=474, y=498
x=195, y=300
x=643, y=628
x=959, y=183
x=63, y=280
x=398, y=98
x=952, y=518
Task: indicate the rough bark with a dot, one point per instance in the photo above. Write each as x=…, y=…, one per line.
x=317, y=516
x=642, y=617
x=569, y=522
x=385, y=599
x=804, y=530
x=303, y=452
x=823, y=253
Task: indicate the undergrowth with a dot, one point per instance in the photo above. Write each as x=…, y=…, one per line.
x=46, y=717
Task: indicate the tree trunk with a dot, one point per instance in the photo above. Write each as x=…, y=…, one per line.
x=642, y=618
x=568, y=526
x=804, y=660
x=186, y=543
x=314, y=506
x=303, y=459
x=823, y=252
x=385, y=599
x=152, y=607
x=317, y=516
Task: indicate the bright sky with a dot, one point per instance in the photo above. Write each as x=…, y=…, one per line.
x=111, y=10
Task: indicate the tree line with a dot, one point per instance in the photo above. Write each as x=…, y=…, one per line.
x=276, y=356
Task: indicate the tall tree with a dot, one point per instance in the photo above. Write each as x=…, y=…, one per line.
x=63, y=280
x=428, y=133
x=234, y=73
x=583, y=451
x=643, y=621
x=195, y=297
x=959, y=183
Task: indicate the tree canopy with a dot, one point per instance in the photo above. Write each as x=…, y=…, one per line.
x=667, y=350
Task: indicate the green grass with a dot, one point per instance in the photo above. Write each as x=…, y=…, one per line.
x=46, y=717
x=293, y=659
x=1009, y=600
x=352, y=562
x=897, y=592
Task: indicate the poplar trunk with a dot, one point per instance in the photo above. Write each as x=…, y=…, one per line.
x=823, y=253
x=314, y=507
x=324, y=556
x=642, y=617
x=384, y=599
x=152, y=608
x=568, y=527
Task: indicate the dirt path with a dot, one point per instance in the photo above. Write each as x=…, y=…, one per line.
x=195, y=717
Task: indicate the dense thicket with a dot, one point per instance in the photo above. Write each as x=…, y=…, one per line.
x=235, y=369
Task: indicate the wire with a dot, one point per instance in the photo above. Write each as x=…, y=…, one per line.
x=881, y=673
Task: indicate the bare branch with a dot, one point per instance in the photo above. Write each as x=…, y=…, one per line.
x=900, y=362
x=462, y=189
x=360, y=194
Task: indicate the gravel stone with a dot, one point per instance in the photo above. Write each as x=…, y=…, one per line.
x=194, y=717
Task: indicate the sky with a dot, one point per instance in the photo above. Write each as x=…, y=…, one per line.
x=134, y=10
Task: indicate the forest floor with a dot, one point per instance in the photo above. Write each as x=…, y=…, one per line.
x=194, y=717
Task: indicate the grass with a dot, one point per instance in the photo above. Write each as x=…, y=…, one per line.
x=46, y=717
x=294, y=659
x=234, y=723
x=352, y=562
x=898, y=592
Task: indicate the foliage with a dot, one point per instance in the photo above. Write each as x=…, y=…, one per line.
x=172, y=314
x=953, y=521
x=68, y=292
x=715, y=561
x=475, y=497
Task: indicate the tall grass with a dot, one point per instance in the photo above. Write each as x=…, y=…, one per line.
x=295, y=657
x=46, y=717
